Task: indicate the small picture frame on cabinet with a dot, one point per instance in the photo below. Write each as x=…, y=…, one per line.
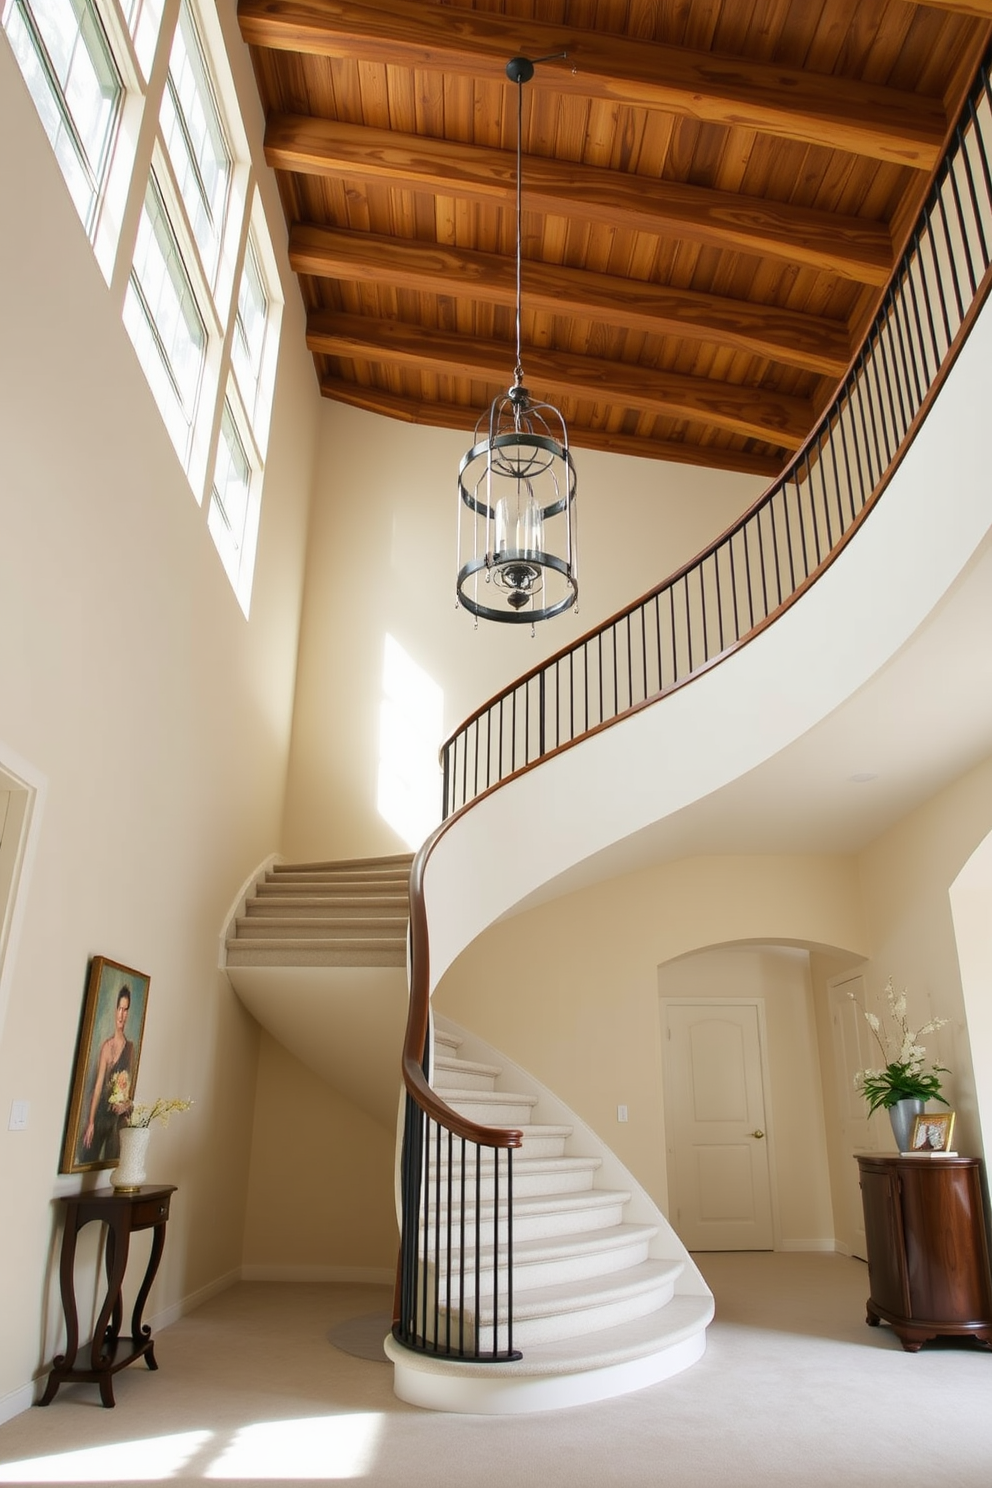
x=932, y=1132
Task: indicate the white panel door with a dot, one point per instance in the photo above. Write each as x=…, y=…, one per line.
x=717, y=1128
x=853, y=1051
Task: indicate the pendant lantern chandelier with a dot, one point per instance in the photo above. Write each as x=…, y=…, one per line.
x=516, y=488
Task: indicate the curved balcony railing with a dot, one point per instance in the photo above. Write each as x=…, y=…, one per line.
x=691, y=621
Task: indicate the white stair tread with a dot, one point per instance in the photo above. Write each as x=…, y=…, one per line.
x=489, y=1097
x=526, y=1167
x=681, y=1318
x=587, y=1293
x=534, y=1206
x=558, y=1247
x=450, y=1064
x=530, y=1130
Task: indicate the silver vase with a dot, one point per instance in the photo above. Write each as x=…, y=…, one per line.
x=902, y=1115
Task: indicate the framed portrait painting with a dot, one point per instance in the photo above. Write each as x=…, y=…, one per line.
x=106, y=1067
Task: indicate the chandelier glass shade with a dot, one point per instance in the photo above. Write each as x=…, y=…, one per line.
x=517, y=560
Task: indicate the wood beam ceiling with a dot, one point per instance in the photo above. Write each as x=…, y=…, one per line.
x=753, y=413
x=852, y=247
x=434, y=414
x=838, y=113
x=808, y=341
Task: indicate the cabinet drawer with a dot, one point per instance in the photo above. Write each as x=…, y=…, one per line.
x=150, y=1212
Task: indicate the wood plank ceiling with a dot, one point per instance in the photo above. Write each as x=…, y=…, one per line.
x=714, y=195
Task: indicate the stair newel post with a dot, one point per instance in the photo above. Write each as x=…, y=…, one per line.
x=478, y=1244
x=412, y=1158
x=509, y=1251
x=495, y=1347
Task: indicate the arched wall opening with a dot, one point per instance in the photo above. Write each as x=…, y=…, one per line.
x=970, y=897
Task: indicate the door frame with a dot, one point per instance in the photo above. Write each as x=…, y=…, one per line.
x=28, y=788
x=758, y=1003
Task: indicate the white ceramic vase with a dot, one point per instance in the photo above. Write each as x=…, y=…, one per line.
x=902, y=1115
x=130, y=1171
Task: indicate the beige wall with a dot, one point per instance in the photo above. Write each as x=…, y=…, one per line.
x=320, y=1199
x=571, y=992
x=906, y=877
x=381, y=560
x=154, y=715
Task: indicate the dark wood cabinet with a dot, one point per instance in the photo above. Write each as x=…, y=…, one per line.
x=123, y=1211
x=928, y=1254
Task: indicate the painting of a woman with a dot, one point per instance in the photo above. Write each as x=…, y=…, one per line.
x=106, y=1065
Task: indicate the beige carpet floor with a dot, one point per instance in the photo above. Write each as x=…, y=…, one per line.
x=794, y=1390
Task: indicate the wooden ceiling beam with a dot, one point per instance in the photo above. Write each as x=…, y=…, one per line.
x=457, y=416
x=814, y=108
x=754, y=413
x=807, y=341
x=851, y=247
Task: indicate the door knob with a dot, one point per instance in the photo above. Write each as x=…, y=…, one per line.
x=758, y=1133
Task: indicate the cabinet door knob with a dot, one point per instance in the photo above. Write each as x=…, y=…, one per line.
x=758, y=1133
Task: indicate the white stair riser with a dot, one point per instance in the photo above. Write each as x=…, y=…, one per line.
x=549, y=1328
x=532, y=1147
x=541, y=1226
x=547, y=1181
x=529, y=1275
x=444, y=1079
x=256, y=928
x=495, y=1113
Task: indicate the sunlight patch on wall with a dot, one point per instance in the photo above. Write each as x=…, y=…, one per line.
x=410, y=729
x=323, y=1447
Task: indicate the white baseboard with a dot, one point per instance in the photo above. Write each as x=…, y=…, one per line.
x=179, y=1309
x=828, y=1246
x=354, y=1275
x=19, y=1400
x=23, y=1398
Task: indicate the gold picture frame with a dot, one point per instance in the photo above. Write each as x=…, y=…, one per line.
x=932, y=1132
x=105, y=1070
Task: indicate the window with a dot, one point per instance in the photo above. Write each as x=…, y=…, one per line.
x=63, y=53
x=250, y=325
x=195, y=141
x=229, y=499
x=196, y=288
x=144, y=17
x=164, y=322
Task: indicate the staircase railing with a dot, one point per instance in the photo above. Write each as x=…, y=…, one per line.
x=691, y=621
x=763, y=563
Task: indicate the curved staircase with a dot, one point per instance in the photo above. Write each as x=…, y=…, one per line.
x=606, y=1298
x=317, y=953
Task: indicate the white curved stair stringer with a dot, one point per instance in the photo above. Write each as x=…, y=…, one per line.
x=607, y=1298
x=912, y=548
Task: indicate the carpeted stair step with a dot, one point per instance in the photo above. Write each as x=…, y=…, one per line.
x=539, y=1141
x=532, y=1176
x=546, y=1314
x=316, y=952
x=545, y=1261
x=282, y=899
x=491, y=1107
x=279, y=927
x=538, y=1215
x=462, y=1074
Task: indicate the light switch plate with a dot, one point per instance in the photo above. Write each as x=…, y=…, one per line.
x=18, y=1115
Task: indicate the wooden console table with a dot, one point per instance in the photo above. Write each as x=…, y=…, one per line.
x=123, y=1213
x=928, y=1256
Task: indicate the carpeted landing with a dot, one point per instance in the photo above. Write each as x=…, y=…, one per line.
x=793, y=1392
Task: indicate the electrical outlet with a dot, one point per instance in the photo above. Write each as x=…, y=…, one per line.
x=18, y=1116
x=621, y=1113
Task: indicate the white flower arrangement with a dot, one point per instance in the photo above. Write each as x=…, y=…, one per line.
x=159, y=1110
x=902, y=1076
